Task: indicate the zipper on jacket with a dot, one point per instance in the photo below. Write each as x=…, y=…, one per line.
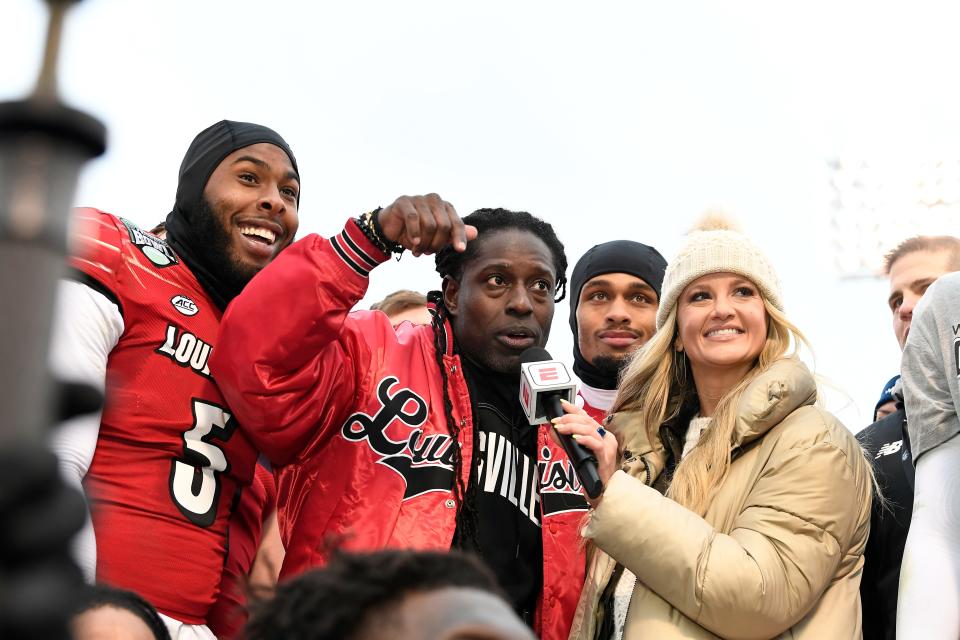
x=646, y=467
x=607, y=613
x=604, y=623
x=647, y=480
x=626, y=616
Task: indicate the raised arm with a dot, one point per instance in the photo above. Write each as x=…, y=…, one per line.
x=289, y=356
x=286, y=357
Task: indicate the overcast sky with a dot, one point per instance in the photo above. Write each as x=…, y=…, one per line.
x=608, y=119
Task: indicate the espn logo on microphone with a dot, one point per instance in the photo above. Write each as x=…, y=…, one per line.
x=540, y=378
x=549, y=373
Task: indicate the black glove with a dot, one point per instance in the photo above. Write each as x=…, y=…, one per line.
x=39, y=582
x=75, y=399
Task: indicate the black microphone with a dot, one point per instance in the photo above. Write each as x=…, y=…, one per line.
x=544, y=382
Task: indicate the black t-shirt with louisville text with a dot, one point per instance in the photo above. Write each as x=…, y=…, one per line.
x=507, y=490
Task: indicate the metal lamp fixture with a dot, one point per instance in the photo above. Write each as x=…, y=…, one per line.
x=43, y=146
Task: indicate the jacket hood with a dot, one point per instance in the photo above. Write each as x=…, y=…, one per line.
x=775, y=394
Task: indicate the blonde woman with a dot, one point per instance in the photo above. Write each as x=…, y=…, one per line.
x=733, y=506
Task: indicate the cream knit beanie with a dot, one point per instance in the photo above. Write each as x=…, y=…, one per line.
x=715, y=246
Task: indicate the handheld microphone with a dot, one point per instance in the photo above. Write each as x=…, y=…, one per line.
x=543, y=383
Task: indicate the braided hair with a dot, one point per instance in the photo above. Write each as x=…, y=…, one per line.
x=450, y=264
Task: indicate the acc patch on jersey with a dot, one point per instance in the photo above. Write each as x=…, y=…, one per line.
x=184, y=305
x=156, y=250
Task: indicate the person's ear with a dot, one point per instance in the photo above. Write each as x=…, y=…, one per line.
x=451, y=294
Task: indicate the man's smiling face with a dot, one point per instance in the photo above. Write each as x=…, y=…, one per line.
x=252, y=194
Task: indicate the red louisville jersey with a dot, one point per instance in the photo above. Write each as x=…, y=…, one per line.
x=256, y=504
x=593, y=412
x=169, y=459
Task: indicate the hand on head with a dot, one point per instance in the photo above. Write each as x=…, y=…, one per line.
x=425, y=224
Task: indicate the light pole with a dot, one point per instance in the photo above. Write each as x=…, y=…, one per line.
x=43, y=146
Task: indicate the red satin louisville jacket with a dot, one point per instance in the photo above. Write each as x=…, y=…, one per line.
x=350, y=412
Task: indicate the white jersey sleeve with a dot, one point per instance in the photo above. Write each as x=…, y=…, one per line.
x=86, y=327
x=930, y=573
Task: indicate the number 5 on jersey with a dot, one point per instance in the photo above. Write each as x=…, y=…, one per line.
x=195, y=477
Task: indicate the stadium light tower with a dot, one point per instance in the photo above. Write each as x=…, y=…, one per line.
x=879, y=203
x=43, y=146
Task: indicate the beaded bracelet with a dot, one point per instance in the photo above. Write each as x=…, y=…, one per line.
x=363, y=221
x=370, y=226
x=392, y=247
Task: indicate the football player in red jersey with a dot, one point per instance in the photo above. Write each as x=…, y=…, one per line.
x=164, y=464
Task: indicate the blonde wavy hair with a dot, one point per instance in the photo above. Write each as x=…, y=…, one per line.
x=658, y=382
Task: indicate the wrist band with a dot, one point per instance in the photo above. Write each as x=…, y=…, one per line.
x=370, y=226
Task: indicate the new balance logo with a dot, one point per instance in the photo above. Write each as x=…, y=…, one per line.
x=890, y=448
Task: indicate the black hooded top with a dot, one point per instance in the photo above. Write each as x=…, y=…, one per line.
x=206, y=152
x=618, y=256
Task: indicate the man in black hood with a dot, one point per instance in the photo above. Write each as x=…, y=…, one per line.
x=224, y=241
x=164, y=465
x=615, y=293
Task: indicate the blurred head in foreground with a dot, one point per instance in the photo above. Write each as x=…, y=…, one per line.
x=106, y=613
x=403, y=595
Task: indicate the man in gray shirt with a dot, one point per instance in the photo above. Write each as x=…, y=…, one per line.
x=929, y=601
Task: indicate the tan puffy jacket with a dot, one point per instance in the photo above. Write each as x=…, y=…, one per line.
x=779, y=551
